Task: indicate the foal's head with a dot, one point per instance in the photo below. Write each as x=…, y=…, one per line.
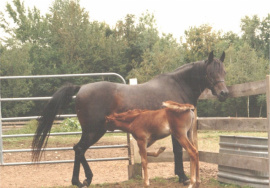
x=215, y=76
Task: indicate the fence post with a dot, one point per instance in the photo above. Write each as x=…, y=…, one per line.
x=268, y=118
x=134, y=170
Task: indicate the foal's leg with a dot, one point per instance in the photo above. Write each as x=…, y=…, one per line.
x=193, y=153
x=156, y=154
x=190, y=136
x=86, y=141
x=178, y=160
x=143, y=153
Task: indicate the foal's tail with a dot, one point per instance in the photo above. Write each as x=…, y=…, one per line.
x=59, y=100
x=178, y=107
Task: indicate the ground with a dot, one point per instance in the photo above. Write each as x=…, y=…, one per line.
x=59, y=175
x=54, y=175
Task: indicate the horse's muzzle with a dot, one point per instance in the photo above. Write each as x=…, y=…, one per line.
x=223, y=95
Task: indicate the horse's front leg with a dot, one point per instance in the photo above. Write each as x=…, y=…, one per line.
x=143, y=153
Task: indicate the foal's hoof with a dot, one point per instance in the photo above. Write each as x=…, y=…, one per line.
x=162, y=149
x=195, y=185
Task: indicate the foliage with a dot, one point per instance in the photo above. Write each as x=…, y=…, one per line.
x=64, y=40
x=199, y=42
x=69, y=125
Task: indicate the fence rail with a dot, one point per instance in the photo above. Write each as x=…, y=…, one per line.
x=2, y=151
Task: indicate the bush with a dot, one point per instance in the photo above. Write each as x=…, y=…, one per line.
x=69, y=125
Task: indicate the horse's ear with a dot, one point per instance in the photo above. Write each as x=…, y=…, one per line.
x=222, y=57
x=211, y=56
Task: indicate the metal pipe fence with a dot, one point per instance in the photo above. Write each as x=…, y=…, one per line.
x=2, y=151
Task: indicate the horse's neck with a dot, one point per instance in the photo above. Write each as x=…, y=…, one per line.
x=193, y=76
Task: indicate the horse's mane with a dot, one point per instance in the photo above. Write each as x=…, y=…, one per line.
x=178, y=107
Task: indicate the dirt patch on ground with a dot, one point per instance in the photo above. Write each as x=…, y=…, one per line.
x=55, y=175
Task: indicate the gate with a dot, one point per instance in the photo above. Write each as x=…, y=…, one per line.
x=2, y=150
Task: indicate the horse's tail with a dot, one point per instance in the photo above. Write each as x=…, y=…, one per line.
x=59, y=100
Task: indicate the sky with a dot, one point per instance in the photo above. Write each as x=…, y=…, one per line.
x=172, y=16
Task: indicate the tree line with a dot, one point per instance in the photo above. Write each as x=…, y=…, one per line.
x=65, y=41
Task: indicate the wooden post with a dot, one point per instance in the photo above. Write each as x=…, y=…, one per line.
x=268, y=118
x=135, y=169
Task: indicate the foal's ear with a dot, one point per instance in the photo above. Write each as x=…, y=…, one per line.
x=222, y=57
x=211, y=56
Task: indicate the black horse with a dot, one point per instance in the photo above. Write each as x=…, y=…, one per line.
x=95, y=101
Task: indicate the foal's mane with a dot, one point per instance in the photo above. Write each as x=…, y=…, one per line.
x=125, y=116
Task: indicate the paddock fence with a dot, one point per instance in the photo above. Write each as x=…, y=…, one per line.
x=227, y=124
x=8, y=119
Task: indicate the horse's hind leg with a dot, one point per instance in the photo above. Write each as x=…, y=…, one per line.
x=86, y=141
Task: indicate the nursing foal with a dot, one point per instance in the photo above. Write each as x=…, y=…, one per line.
x=147, y=126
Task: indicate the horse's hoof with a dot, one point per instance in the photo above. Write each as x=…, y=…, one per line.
x=87, y=182
x=77, y=183
x=184, y=180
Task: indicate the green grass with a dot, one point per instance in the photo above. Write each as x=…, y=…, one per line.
x=209, y=140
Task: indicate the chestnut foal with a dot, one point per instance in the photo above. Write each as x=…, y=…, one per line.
x=147, y=126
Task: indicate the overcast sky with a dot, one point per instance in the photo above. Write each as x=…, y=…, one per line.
x=172, y=16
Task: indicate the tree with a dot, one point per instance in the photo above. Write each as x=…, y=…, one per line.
x=256, y=33
x=199, y=41
x=15, y=61
x=26, y=26
x=166, y=55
